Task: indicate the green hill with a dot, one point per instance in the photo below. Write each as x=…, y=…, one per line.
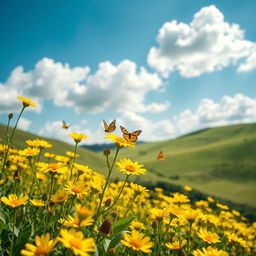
x=218, y=161
x=87, y=157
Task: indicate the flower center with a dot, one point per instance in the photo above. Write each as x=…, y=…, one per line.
x=75, y=243
x=41, y=250
x=53, y=166
x=130, y=168
x=77, y=190
x=16, y=202
x=136, y=243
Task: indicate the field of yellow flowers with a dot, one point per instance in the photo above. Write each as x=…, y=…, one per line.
x=59, y=207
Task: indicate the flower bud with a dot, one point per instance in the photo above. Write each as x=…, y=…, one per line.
x=10, y=116
x=108, y=202
x=112, y=251
x=154, y=225
x=106, y=151
x=106, y=227
x=114, y=214
x=44, y=196
x=181, y=252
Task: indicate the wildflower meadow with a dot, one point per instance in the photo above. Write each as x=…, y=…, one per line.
x=51, y=205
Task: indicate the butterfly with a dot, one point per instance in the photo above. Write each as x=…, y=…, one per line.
x=161, y=156
x=64, y=125
x=132, y=137
x=111, y=127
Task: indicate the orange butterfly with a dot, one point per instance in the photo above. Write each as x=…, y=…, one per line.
x=64, y=125
x=161, y=156
x=111, y=127
x=132, y=137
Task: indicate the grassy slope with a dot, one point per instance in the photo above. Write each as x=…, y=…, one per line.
x=218, y=161
x=87, y=157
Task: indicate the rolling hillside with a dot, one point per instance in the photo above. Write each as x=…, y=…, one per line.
x=218, y=161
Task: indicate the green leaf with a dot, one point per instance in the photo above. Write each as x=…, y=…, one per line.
x=2, y=217
x=22, y=239
x=122, y=224
x=115, y=241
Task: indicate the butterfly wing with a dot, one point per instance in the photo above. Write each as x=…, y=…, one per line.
x=134, y=135
x=111, y=127
x=64, y=125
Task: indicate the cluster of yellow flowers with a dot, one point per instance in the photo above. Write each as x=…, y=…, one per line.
x=50, y=205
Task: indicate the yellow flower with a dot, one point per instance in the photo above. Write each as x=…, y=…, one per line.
x=208, y=237
x=29, y=152
x=63, y=159
x=76, y=222
x=59, y=197
x=43, y=246
x=78, y=137
x=130, y=168
x=27, y=102
x=54, y=168
x=137, y=225
x=210, y=199
x=138, y=189
x=71, y=154
x=119, y=141
x=158, y=214
x=187, y=188
x=39, y=143
x=75, y=241
x=49, y=155
x=180, y=198
x=210, y=251
x=137, y=241
x=82, y=212
x=176, y=245
x=222, y=206
x=76, y=188
x=14, y=200
x=37, y=203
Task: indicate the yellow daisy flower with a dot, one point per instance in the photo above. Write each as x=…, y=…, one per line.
x=176, y=245
x=75, y=241
x=27, y=102
x=59, y=197
x=37, y=202
x=43, y=246
x=210, y=251
x=137, y=241
x=78, y=137
x=208, y=237
x=14, y=201
x=130, y=168
x=138, y=188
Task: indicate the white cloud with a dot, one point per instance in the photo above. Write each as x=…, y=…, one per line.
x=24, y=124
x=230, y=110
x=249, y=64
x=206, y=44
x=54, y=130
x=121, y=87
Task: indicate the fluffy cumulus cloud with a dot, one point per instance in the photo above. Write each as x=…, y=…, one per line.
x=121, y=87
x=229, y=110
x=206, y=44
x=24, y=124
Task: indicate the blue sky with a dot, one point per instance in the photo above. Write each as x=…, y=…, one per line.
x=82, y=63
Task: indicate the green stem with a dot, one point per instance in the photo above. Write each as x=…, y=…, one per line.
x=120, y=192
x=13, y=226
x=73, y=161
x=10, y=141
x=189, y=237
x=130, y=206
x=106, y=184
x=34, y=177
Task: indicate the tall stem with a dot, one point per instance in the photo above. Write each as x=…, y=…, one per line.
x=72, y=166
x=110, y=169
x=13, y=226
x=10, y=141
x=120, y=192
x=130, y=206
